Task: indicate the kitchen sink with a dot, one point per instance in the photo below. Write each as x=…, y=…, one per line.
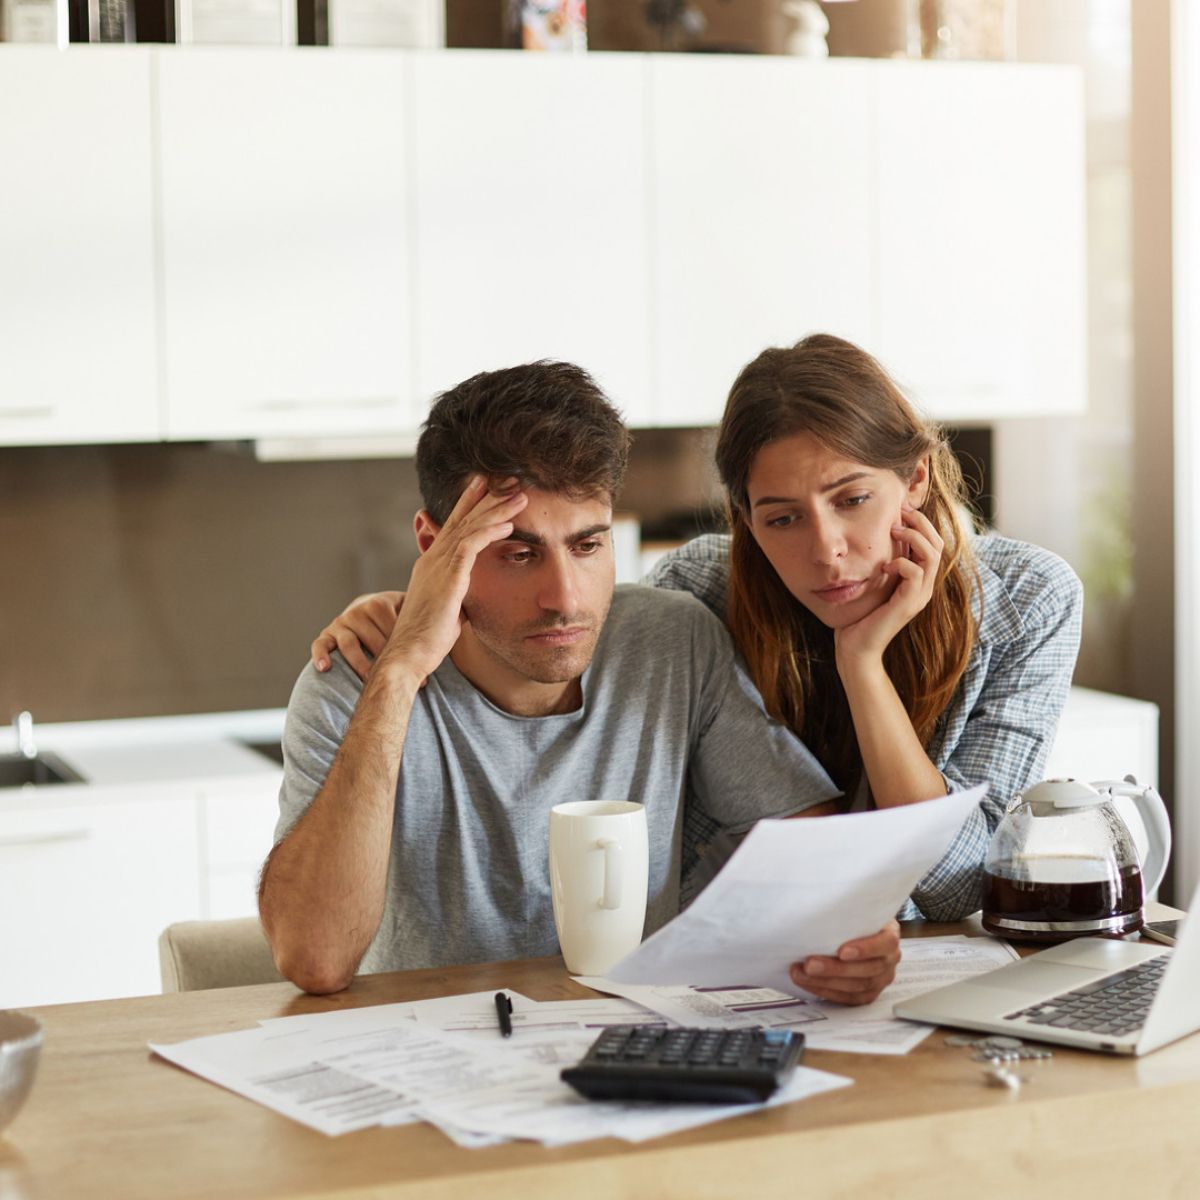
x=16, y=769
x=271, y=750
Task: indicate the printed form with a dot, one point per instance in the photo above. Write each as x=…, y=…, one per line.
x=926, y=964
x=795, y=888
x=341, y=1071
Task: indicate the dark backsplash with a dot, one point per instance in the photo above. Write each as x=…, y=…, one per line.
x=146, y=580
x=156, y=579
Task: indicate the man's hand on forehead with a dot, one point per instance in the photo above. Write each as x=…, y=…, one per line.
x=503, y=485
x=430, y=621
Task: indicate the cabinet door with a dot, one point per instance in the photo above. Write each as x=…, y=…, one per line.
x=762, y=226
x=531, y=218
x=78, y=353
x=86, y=889
x=238, y=825
x=982, y=237
x=285, y=243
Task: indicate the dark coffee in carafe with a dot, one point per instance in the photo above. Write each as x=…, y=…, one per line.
x=1056, y=900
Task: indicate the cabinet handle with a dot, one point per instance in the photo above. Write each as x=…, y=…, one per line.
x=297, y=403
x=42, y=839
x=27, y=413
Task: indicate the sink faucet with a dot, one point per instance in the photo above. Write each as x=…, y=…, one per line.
x=23, y=724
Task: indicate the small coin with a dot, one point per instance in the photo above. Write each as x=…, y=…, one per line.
x=957, y=1039
x=1005, y=1043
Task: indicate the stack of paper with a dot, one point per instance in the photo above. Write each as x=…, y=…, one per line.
x=928, y=963
x=443, y=1060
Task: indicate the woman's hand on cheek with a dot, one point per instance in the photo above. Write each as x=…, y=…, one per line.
x=910, y=577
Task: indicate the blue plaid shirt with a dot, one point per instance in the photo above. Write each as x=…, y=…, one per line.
x=1000, y=725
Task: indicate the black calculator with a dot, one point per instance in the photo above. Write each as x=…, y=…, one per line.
x=716, y=1066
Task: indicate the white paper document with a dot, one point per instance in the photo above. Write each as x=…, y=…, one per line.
x=926, y=964
x=554, y=1033
x=281, y=1070
x=498, y=1091
x=476, y=1015
x=730, y=1007
x=445, y=1062
x=795, y=888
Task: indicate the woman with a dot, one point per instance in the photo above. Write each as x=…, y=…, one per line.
x=912, y=657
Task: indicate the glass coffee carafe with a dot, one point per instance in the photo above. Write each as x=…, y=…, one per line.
x=1063, y=863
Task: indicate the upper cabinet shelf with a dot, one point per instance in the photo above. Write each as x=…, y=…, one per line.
x=288, y=243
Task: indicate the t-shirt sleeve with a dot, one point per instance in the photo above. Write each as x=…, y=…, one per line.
x=744, y=764
x=318, y=716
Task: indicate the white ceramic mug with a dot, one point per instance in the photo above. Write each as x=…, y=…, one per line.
x=599, y=870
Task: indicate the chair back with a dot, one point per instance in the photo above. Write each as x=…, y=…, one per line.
x=193, y=955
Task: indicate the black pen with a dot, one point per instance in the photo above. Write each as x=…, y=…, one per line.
x=503, y=1008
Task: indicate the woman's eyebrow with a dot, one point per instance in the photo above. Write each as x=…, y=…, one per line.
x=837, y=483
x=825, y=487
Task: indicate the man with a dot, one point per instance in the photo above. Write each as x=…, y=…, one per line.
x=415, y=807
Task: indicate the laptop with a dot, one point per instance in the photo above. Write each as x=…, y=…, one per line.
x=1092, y=993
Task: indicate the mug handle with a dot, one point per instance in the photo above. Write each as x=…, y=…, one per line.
x=614, y=872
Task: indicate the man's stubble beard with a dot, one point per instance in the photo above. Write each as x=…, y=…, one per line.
x=553, y=664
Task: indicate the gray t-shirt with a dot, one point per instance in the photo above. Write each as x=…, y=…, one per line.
x=668, y=719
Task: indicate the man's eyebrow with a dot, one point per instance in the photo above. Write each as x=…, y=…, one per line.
x=535, y=539
x=523, y=535
x=825, y=487
x=583, y=534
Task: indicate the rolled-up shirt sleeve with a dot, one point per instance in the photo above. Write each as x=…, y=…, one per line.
x=1002, y=730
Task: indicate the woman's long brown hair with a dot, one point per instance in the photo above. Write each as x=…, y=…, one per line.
x=839, y=394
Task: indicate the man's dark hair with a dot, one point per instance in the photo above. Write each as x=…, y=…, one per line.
x=546, y=423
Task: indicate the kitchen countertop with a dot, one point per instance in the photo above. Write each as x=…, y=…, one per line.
x=154, y=749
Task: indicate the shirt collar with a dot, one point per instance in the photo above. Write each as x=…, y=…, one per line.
x=1000, y=621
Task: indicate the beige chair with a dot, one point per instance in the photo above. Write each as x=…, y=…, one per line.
x=215, y=954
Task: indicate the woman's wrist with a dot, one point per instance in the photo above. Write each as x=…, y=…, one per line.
x=859, y=670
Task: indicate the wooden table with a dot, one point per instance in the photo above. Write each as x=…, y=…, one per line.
x=107, y=1119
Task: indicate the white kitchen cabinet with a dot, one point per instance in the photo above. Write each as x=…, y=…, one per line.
x=980, y=237
x=87, y=883
x=763, y=201
x=210, y=243
x=531, y=218
x=237, y=824
x=285, y=236
x=78, y=349
x=1103, y=736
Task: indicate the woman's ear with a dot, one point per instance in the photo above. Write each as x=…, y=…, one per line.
x=918, y=483
x=426, y=529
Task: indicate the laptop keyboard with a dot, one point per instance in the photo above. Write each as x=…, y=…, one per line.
x=1116, y=1004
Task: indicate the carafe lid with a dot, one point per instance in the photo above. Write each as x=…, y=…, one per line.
x=1062, y=793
